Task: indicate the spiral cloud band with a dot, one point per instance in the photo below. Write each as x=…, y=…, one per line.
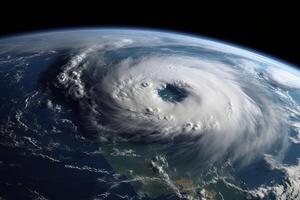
x=199, y=101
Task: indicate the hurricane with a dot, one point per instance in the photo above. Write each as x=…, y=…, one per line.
x=181, y=100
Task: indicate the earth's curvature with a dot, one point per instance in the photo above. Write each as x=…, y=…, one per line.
x=139, y=114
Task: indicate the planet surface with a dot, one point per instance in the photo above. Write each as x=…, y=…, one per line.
x=145, y=114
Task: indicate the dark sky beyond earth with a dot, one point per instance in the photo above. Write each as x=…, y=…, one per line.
x=272, y=31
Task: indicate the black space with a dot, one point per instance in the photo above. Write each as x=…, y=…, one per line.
x=273, y=31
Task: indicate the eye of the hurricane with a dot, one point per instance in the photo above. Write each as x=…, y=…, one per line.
x=172, y=93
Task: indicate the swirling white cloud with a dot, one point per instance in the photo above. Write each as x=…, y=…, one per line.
x=221, y=111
